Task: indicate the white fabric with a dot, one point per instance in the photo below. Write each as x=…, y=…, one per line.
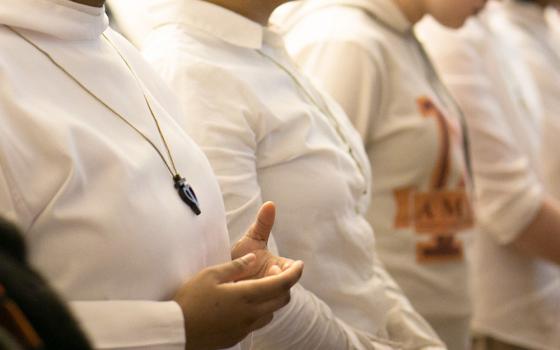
x=553, y=20
x=267, y=141
x=516, y=297
x=131, y=21
x=95, y=202
x=525, y=26
x=365, y=54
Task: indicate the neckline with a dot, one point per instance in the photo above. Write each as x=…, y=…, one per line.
x=62, y=19
x=208, y=18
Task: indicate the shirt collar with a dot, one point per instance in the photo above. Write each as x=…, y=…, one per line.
x=63, y=19
x=209, y=18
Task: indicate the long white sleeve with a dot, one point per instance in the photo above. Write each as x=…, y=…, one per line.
x=404, y=325
x=308, y=323
x=131, y=325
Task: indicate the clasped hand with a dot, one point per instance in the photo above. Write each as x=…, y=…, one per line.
x=224, y=303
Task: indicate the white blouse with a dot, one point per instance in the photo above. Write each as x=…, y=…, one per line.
x=270, y=135
x=524, y=25
x=516, y=297
x=97, y=205
x=365, y=54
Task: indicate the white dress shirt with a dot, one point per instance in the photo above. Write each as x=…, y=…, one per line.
x=553, y=20
x=525, y=26
x=130, y=20
x=270, y=135
x=516, y=297
x=365, y=54
x=97, y=205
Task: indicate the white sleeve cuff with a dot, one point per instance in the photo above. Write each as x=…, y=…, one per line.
x=515, y=213
x=132, y=324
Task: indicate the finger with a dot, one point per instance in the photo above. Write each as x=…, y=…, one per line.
x=270, y=287
x=274, y=270
x=235, y=269
x=260, y=230
x=273, y=305
x=261, y=322
x=285, y=263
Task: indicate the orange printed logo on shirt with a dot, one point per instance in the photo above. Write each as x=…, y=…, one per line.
x=442, y=212
x=439, y=213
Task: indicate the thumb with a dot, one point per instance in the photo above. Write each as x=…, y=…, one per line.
x=260, y=230
x=236, y=269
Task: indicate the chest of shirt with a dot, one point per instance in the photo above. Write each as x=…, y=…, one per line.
x=295, y=127
x=417, y=127
x=86, y=187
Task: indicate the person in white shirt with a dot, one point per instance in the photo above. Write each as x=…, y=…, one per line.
x=365, y=53
x=92, y=161
x=526, y=26
x=516, y=253
x=553, y=20
x=270, y=135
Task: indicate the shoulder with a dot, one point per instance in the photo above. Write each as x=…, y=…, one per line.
x=338, y=25
x=203, y=69
x=465, y=46
x=149, y=77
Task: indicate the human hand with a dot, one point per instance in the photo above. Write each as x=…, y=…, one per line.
x=256, y=240
x=219, y=313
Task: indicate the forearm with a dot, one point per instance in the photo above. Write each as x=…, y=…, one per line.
x=541, y=238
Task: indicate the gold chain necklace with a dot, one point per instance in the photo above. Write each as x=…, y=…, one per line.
x=184, y=189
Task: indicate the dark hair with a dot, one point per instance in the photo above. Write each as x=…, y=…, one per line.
x=30, y=293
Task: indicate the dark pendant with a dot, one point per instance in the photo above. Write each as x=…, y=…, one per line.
x=186, y=192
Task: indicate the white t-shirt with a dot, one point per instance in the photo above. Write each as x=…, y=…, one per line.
x=270, y=135
x=97, y=206
x=516, y=297
x=364, y=53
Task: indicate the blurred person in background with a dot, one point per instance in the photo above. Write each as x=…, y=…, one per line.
x=366, y=55
x=516, y=252
x=526, y=25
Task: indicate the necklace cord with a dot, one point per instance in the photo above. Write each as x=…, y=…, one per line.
x=150, y=108
x=172, y=169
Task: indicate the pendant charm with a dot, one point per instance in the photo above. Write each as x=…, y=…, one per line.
x=186, y=192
